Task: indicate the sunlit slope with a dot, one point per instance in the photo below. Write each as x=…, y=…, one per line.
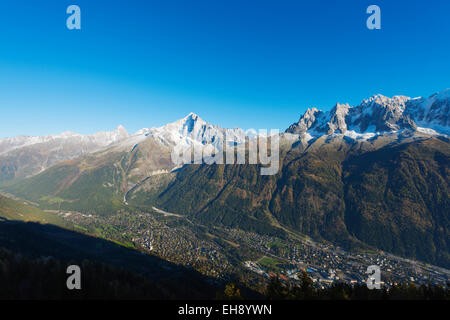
x=70, y=187
x=96, y=183
x=393, y=196
x=17, y=210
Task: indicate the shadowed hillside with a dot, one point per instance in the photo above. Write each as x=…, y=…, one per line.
x=34, y=258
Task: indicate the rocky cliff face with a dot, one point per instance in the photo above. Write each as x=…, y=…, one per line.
x=379, y=114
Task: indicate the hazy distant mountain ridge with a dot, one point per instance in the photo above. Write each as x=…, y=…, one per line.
x=99, y=139
x=24, y=156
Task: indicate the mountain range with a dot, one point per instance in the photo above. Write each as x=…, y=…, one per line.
x=379, y=114
x=25, y=156
x=373, y=175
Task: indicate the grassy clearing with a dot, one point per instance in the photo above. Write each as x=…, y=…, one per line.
x=17, y=210
x=269, y=263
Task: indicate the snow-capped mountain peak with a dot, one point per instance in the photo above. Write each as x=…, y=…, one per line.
x=192, y=130
x=86, y=142
x=24, y=156
x=382, y=100
x=191, y=125
x=432, y=112
x=379, y=114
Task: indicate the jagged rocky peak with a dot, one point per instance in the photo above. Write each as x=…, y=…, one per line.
x=305, y=122
x=192, y=123
x=193, y=117
x=432, y=112
x=338, y=114
x=386, y=102
x=387, y=106
x=191, y=126
x=379, y=114
x=193, y=130
x=322, y=122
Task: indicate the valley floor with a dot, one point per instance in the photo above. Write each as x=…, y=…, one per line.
x=227, y=253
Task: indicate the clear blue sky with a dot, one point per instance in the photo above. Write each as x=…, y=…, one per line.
x=247, y=63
